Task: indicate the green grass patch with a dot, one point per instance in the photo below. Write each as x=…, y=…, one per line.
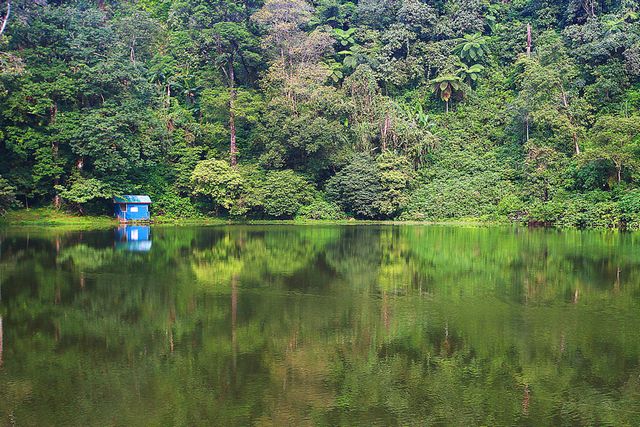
x=53, y=217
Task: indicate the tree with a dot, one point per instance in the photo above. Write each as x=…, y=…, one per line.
x=219, y=181
x=616, y=139
x=547, y=103
x=233, y=43
x=446, y=86
x=344, y=37
x=83, y=190
x=396, y=179
x=284, y=20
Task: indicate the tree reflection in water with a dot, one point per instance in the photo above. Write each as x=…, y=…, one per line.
x=323, y=325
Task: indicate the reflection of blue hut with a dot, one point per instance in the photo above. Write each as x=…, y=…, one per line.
x=136, y=238
x=132, y=208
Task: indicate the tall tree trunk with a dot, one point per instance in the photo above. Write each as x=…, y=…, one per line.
x=55, y=146
x=232, y=115
x=385, y=131
x=574, y=135
x=6, y=18
x=528, y=39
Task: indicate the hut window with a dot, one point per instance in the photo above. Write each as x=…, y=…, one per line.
x=123, y=207
x=133, y=209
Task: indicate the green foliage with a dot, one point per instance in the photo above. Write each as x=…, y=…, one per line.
x=7, y=195
x=218, y=181
x=82, y=190
x=630, y=209
x=320, y=209
x=511, y=206
x=471, y=196
x=472, y=47
x=132, y=96
x=172, y=205
x=357, y=188
x=283, y=193
x=447, y=86
x=396, y=180
x=616, y=139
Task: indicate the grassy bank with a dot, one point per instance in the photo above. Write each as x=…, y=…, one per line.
x=48, y=217
x=53, y=217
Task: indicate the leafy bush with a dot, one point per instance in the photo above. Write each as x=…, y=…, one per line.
x=320, y=209
x=396, y=178
x=219, y=181
x=83, y=190
x=460, y=197
x=512, y=207
x=173, y=205
x=545, y=213
x=357, y=187
x=284, y=192
x=629, y=206
x=590, y=210
x=369, y=188
x=595, y=209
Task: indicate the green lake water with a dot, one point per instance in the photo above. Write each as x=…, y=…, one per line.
x=281, y=325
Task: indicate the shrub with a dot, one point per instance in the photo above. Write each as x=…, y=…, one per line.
x=396, y=178
x=512, y=207
x=590, y=210
x=320, y=209
x=629, y=206
x=459, y=197
x=545, y=213
x=219, y=181
x=284, y=192
x=357, y=187
x=173, y=205
x=595, y=209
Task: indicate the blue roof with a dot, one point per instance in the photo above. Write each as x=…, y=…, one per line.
x=131, y=199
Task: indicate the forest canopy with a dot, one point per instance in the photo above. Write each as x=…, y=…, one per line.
x=527, y=110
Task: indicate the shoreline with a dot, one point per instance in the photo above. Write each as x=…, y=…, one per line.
x=47, y=217
x=56, y=219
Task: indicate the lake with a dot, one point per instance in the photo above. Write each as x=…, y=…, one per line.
x=275, y=325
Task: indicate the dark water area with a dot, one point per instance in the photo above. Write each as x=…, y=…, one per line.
x=319, y=325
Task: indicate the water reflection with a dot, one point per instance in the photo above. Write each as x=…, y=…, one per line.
x=134, y=238
x=284, y=325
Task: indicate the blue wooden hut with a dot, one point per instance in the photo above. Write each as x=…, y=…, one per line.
x=132, y=208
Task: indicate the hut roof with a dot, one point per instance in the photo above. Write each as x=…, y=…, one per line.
x=132, y=199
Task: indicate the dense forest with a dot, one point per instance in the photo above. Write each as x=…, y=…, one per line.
x=527, y=110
